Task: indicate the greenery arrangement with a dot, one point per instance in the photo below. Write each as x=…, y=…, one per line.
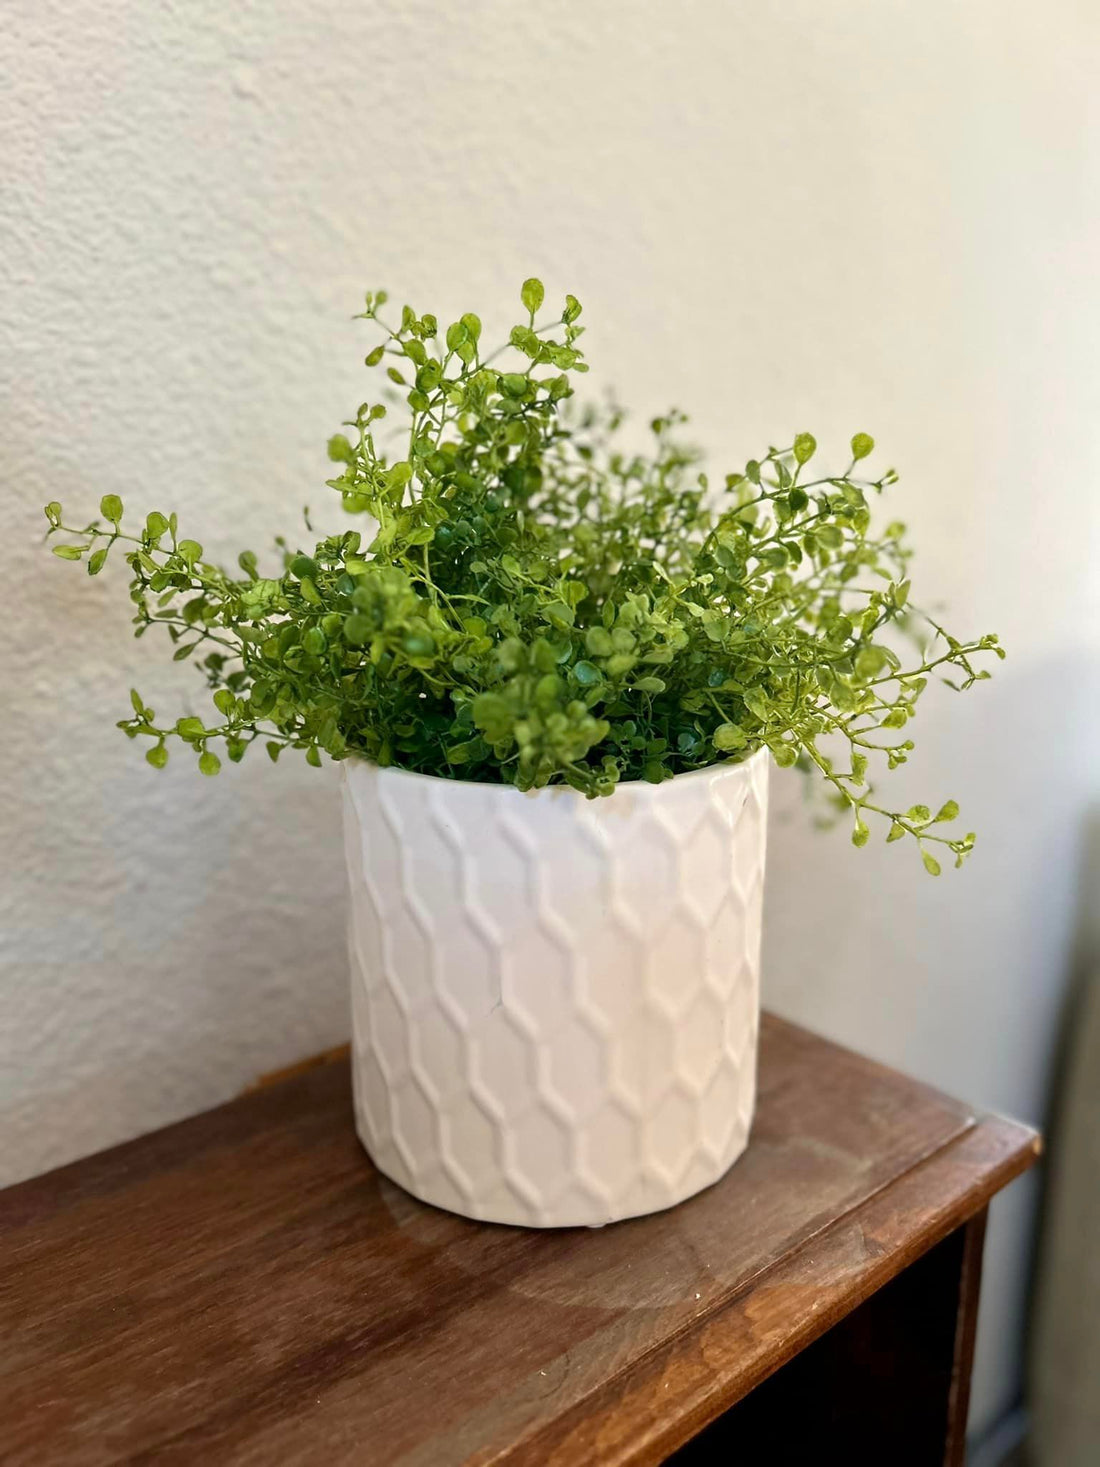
x=536, y=604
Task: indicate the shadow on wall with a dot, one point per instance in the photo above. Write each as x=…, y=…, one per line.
x=865, y=946
x=1064, y=1370
x=960, y=980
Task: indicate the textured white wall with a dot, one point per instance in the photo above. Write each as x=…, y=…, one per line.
x=779, y=215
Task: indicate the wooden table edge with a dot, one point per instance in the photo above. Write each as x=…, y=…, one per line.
x=667, y=1408
x=665, y=1396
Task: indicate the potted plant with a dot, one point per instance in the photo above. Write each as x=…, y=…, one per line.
x=554, y=672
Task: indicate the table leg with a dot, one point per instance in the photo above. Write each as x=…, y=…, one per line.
x=966, y=1326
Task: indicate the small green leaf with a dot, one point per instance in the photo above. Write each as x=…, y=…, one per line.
x=544, y=656
x=190, y=728
x=136, y=703
x=191, y=551
x=861, y=834
x=587, y=674
x=357, y=629
x=729, y=736
x=918, y=814
x=492, y=713
x=53, y=512
x=68, y=552
x=273, y=751
x=931, y=865
x=650, y=685
x=598, y=641
x=948, y=811
x=96, y=561
x=870, y=661
x=532, y=295
x=313, y=756
x=896, y=831
x=862, y=445
x=464, y=752
x=559, y=614
x=209, y=763
x=805, y=445
x=110, y=507
x=756, y=702
x=418, y=644
x=224, y=701
x=157, y=756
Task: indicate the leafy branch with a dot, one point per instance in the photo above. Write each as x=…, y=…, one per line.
x=529, y=603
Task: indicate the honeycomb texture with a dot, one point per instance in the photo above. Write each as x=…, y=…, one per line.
x=555, y=1000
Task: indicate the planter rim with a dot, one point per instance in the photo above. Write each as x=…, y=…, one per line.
x=395, y=771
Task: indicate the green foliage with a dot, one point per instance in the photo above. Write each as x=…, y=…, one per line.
x=528, y=602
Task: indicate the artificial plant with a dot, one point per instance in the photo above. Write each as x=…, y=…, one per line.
x=529, y=603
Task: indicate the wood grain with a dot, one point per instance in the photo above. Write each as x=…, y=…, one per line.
x=245, y=1288
x=875, y=1389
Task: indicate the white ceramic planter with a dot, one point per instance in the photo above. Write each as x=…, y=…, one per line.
x=555, y=1000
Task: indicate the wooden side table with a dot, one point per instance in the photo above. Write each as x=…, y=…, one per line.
x=245, y=1288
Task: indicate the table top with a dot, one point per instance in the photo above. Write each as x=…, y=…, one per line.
x=245, y=1288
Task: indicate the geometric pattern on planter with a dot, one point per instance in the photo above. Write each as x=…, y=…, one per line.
x=555, y=1000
